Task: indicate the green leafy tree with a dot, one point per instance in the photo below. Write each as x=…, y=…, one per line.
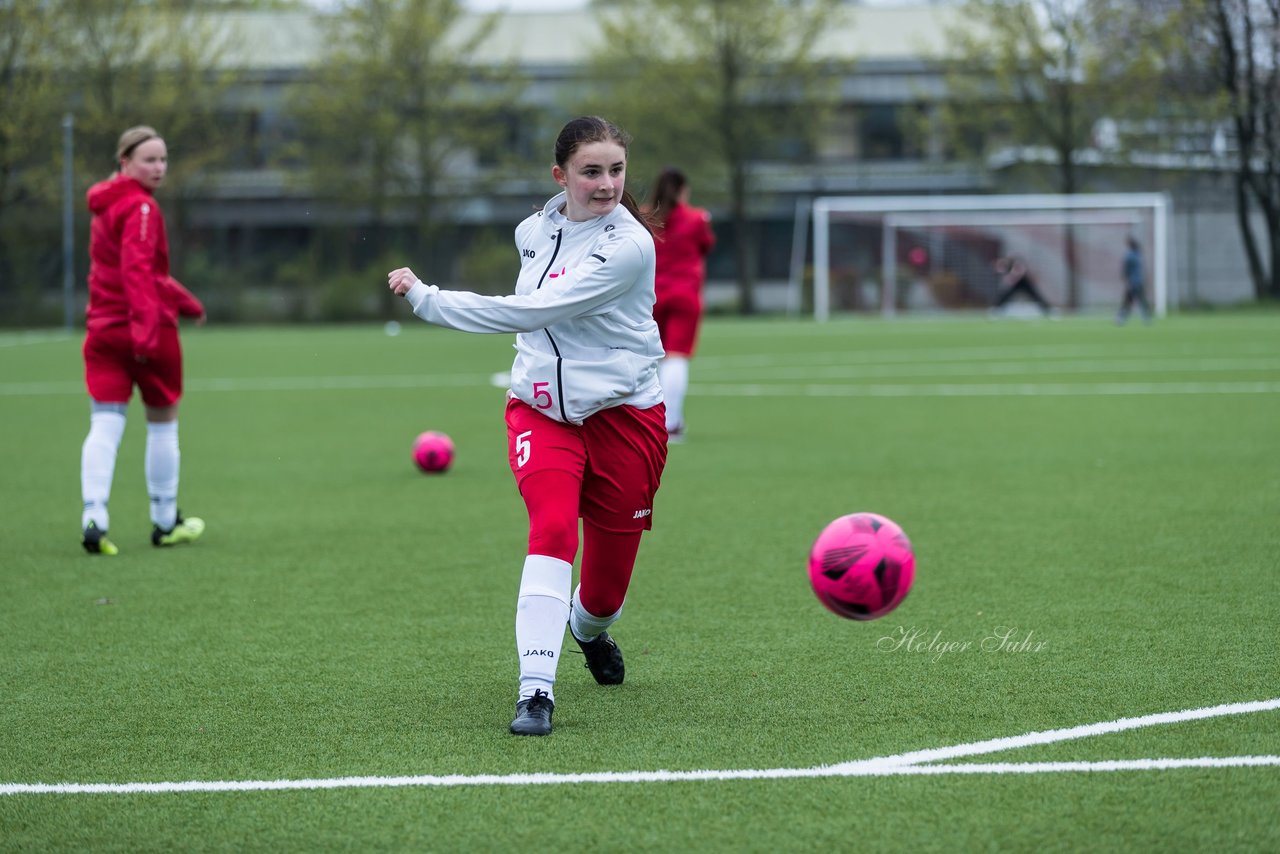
x=1016, y=78
x=404, y=97
x=31, y=107
x=715, y=87
x=1215, y=72
x=1246, y=62
x=108, y=64
x=164, y=63
x=1027, y=74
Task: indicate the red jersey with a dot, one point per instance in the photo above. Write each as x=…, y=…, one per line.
x=129, y=281
x=683, y=244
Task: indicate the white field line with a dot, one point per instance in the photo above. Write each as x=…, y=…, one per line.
x=1053, y=736
x=245, y=384
x=22, y=338
x=904, y=764
x=905, y=324
x=1007, y=353
x=753, y=389
x=750, y=375
x=982, y=389
x=857, y=372
x=1060, y=767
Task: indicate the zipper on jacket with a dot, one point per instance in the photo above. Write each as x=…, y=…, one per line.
x=551, y=263
x=564, y=416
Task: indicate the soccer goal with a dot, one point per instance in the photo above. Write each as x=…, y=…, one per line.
x=936, y=253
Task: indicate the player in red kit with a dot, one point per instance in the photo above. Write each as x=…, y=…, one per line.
x=683, y=240
x=132, y=339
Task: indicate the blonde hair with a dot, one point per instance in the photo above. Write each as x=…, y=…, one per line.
x=132, y=138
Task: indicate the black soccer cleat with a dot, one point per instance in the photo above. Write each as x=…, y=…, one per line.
x=95, y=541
x=604, y=659
x=183, y=531
x=533, y=716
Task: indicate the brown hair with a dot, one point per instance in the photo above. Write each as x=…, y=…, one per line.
x=585, y=130
x=666, y=192
x=132, y=138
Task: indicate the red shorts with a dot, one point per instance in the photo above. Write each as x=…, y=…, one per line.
x=111, y=371
x=617, y=455
x=678, y=316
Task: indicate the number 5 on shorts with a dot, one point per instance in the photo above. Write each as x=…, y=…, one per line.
x=523, y=448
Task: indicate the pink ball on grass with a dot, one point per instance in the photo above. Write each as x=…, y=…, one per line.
x=433, y=452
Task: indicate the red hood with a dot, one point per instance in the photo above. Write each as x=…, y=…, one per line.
x=104, y=194
x=129, y=281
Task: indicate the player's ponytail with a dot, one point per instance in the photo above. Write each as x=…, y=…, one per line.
x=642, y=216
x=666, y=193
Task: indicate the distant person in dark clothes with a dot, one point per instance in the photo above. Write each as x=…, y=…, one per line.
x=1015, y=279
x=1135, y=281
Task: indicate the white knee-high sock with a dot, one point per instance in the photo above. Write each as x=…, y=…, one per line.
x=585, y=625
x=98, y=463
x=673, y=374
x=541, y=613
x=162, y=464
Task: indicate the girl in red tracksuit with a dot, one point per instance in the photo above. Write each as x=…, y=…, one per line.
x=683, y=240
x=132, y=339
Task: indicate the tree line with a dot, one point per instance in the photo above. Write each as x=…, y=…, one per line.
x=403, y=88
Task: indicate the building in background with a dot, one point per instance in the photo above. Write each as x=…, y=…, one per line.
x=258, y=200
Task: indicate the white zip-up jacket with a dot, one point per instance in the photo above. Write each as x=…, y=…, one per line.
x=583, y=313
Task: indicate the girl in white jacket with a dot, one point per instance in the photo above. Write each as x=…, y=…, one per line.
x=586, y=427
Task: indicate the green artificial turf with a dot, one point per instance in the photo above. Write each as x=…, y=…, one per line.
x=1105, y=500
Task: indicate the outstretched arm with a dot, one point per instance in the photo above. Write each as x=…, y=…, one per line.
x=610, y=270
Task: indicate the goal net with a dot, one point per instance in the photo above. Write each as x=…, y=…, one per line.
x=937, y=253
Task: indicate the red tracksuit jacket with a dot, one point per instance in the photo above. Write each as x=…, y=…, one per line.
x=129, y=281
x=682, y=246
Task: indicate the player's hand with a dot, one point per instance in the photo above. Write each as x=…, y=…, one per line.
x=202, y=319
x=400, y=280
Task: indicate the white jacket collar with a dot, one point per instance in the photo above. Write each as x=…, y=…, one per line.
x=558, y=200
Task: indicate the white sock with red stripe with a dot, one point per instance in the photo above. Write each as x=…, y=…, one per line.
x=541, y=614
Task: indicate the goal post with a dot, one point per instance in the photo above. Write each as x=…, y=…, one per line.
x=912, y=253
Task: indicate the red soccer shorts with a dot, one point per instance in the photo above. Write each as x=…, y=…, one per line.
x=678, y=316
x=111, y=371
x=617, y=456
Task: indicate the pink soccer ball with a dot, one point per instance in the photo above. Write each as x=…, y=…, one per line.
x=433, y=452
x=861, y=566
